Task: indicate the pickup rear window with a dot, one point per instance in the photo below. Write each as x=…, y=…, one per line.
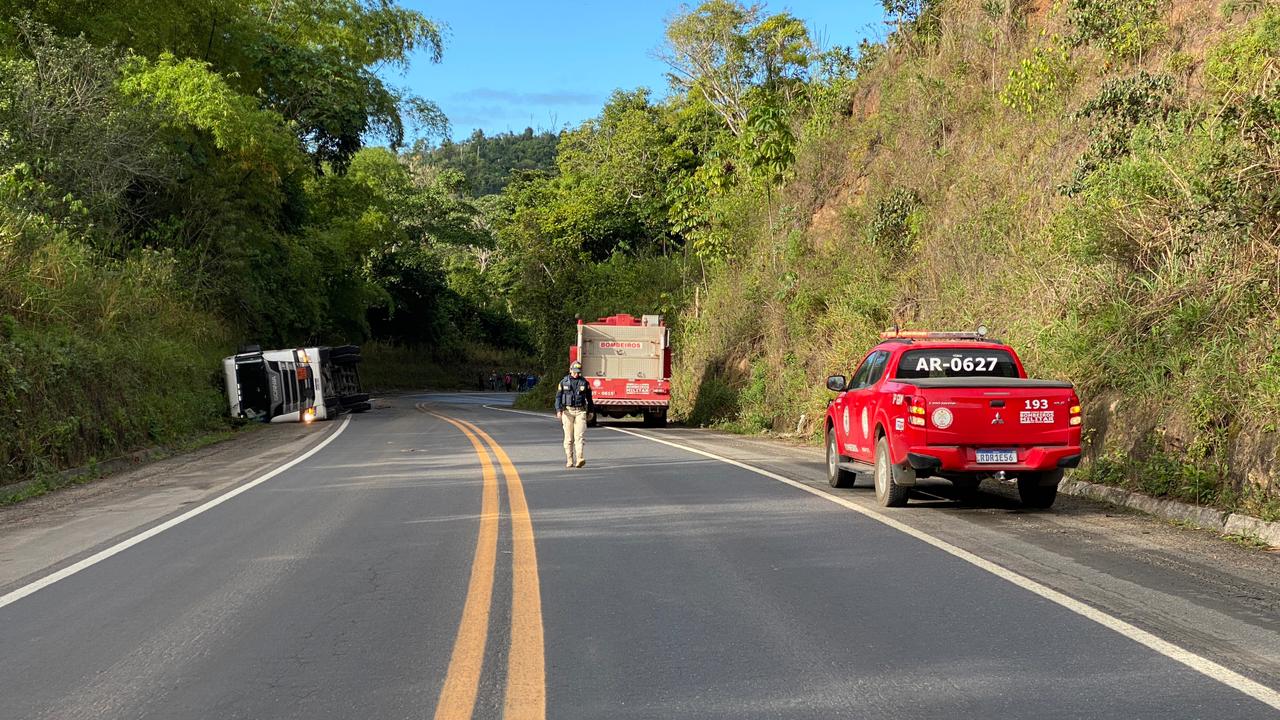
x=956, y=362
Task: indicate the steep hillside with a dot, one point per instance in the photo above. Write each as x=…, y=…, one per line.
x=1098, y=181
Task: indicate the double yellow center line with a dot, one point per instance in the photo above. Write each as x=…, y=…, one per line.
x=526, y=669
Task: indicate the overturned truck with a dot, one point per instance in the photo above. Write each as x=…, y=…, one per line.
x=294, y=385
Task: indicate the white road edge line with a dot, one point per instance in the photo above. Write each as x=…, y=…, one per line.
x=68, y=571
x=544, y=416
x=1202, y=665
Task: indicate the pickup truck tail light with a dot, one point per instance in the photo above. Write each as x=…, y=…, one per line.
x=1076, y=419
x=916, y=412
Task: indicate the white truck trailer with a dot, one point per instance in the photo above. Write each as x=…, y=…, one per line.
x=294, y=385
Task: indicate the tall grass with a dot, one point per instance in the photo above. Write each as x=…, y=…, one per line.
x=96, y=358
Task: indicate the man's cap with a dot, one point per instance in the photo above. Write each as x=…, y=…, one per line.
x=575, y=365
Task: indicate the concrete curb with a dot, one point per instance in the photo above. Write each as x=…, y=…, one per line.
x=1207, y=518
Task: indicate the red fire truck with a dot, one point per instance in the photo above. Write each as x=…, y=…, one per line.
x=627, y=360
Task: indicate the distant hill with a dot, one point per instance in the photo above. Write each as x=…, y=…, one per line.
x=488, y=161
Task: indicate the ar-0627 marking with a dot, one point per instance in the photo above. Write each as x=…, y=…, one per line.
x=957, y=364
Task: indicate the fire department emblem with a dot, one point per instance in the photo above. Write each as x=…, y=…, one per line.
x=866, y=428
x=846, y=421
x=596, y=382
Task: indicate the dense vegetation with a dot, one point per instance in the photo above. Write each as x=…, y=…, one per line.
x=177, y=179
x=488, y=163
x=1095, y=179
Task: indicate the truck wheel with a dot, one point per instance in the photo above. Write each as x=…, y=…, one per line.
x=1039, y=489
x=655, y=420
x=837, y=477
x=888, y=493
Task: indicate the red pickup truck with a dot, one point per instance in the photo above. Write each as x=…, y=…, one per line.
x=953, y=405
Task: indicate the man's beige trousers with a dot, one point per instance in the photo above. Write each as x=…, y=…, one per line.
x=575, y=430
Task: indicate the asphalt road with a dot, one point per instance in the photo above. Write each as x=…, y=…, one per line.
x=435, y=558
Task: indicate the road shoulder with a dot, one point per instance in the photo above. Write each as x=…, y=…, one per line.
x=46, y=532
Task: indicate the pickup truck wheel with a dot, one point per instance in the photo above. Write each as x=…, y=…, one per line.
x=837, y=477
x=888, y=494
x=1039, y=489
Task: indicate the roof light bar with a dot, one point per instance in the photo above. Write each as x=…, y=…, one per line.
x=979, y=334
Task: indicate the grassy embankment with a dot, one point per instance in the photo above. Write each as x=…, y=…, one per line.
x=98, y=360
x=1099, y=187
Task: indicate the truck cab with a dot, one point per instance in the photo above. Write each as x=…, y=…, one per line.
x=953, y=405
x=294, y=384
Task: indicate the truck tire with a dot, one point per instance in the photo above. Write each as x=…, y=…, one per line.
x=837, y=476
x=888, y=492
x=1038, y=490
x=360, y=407
x=655, y=420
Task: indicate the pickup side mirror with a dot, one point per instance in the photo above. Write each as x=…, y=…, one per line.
x=836, y=383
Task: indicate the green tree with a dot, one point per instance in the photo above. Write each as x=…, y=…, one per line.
x=311, y=61
x=727, y=52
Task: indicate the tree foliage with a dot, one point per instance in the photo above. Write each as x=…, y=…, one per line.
x=487, y=162
x=727, y=53
x=311, y=61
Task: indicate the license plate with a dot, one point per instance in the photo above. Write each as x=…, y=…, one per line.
x=638, y=388
x=1033, y=417
x=1002, y=457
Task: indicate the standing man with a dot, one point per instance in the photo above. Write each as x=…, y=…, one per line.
x=573, y=404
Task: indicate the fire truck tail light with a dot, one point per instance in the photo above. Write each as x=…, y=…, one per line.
x=1075, y=409
x=1076, y=420
x=916, y=420
x=916, y=410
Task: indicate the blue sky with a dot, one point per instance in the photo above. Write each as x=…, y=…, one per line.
x=546, y=65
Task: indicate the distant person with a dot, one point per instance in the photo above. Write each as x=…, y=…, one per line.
x=573, y=404
x=506, y=381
